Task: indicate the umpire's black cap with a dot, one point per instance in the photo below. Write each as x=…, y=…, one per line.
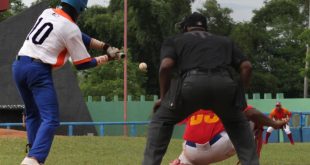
x=194, y=20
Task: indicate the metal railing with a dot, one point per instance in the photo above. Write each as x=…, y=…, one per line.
x=133, y=125
x=302, y=118
x=71, y=125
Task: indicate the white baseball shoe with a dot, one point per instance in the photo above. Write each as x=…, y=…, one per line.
x=29, y=161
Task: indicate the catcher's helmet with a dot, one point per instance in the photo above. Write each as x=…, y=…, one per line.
x=78, y=5
x=194, y=20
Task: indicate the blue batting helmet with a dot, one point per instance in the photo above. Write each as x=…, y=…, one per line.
x=78, y=5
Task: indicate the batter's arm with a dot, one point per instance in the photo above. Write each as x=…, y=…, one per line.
x=96, y=61
x=93, y=43
x=96, y=44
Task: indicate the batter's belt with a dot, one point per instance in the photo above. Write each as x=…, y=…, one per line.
x=24, y=58
x=211, y=142
x=213, y=71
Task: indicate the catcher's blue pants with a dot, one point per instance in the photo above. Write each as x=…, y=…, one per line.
x=35, y=85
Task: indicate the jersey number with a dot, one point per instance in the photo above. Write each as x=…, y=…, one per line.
x=198, y=119
x=37, y=38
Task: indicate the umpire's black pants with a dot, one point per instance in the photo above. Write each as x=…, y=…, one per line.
x=216, y=91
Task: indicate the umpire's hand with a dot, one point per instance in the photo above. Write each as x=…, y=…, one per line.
x=156, y=105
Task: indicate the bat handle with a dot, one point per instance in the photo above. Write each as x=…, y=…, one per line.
x=119, y=55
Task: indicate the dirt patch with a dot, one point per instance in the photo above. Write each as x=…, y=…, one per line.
x=12, y=133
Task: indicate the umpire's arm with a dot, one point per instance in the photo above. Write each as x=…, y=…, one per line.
x=165, y=71
x=246, y=72
x=241, y=63
x=168, y=57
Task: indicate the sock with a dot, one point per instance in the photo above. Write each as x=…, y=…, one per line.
x=291, y=138
x=267, y=137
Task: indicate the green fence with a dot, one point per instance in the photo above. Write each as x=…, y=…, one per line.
x=141, y=110
x=265, y=102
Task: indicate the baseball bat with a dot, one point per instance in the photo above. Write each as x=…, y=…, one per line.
x=120, y=55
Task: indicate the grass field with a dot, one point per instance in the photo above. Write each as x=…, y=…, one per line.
x=128, y=151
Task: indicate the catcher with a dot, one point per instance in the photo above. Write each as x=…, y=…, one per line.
x=206, y=140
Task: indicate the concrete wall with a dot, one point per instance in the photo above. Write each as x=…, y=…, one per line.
x=265, y=103
x=140, y=110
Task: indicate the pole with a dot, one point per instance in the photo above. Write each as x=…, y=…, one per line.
x=306, y=78
x=125, y=66
x=307, y=63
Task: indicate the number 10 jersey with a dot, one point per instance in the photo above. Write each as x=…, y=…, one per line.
x=54, y=38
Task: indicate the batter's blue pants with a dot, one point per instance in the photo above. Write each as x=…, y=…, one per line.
x=35, y=85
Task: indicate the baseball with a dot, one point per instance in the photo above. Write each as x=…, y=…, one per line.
x=143, y=66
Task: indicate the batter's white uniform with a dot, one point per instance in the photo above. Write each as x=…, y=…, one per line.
x=52, y=40
x=55, y=38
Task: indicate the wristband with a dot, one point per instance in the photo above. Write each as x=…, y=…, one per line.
x=105, y=46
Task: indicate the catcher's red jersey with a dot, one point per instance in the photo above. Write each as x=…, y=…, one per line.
x=280, y=114
x=202, y=126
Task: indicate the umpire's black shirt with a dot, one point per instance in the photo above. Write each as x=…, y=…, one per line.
x=201, y=50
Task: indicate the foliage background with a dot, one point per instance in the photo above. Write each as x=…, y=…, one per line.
x=274, y=40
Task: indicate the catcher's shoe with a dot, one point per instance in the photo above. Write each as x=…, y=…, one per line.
x=177, y=162
x=29, y=161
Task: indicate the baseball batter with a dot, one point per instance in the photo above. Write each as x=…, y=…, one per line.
x=54, y=38
x=280, y=113
x=206, y=140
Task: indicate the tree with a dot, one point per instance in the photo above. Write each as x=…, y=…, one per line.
x=16, y=6
x=108, y=80
x=151, y=22
x=219, y=20
x=250, y=40
x=281, y=53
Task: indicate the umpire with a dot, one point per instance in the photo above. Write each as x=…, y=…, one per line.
x=212, y=73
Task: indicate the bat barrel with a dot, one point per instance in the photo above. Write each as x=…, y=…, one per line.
x=122, y=55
